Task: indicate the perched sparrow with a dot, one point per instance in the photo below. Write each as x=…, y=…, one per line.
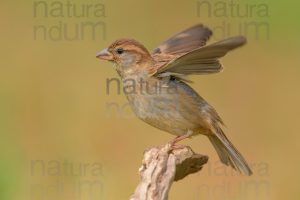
x=161, y=96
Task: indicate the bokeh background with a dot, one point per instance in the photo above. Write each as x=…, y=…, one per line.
x=63, y=137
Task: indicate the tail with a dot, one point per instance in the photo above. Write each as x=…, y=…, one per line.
x=228, y=154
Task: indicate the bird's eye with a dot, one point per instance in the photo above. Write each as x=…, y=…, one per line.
x=120, y=51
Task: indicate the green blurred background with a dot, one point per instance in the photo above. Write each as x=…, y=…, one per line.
x=54, y=108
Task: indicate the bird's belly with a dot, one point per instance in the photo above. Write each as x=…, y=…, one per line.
x=164, y=111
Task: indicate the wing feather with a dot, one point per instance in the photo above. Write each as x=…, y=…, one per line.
x=185, y=41
x=203, y=60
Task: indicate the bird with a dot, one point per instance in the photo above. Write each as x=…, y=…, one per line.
x=159, y=91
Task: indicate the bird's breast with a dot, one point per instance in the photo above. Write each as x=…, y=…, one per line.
x=151, y=97
x=163, y=104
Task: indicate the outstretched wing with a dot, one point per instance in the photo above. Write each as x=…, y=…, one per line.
x=180, y=44
x=203, y=60
x=185, y=41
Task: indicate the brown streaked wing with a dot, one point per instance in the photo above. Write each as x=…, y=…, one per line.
x=185, y=41
x=203, y=60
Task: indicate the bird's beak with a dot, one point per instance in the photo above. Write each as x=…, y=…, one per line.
x=105, y=55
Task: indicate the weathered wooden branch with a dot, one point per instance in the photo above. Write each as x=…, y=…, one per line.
x=163, y=165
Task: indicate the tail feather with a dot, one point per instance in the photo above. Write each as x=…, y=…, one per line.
x=228, y=154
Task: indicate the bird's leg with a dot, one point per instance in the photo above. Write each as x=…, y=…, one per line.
x=181, y=137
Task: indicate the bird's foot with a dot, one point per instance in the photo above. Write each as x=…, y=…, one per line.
x=177, y=146
x=177, y=139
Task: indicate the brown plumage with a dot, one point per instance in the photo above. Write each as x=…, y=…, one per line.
x=163, y=99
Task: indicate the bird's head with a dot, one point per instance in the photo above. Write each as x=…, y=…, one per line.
x=128, y=55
